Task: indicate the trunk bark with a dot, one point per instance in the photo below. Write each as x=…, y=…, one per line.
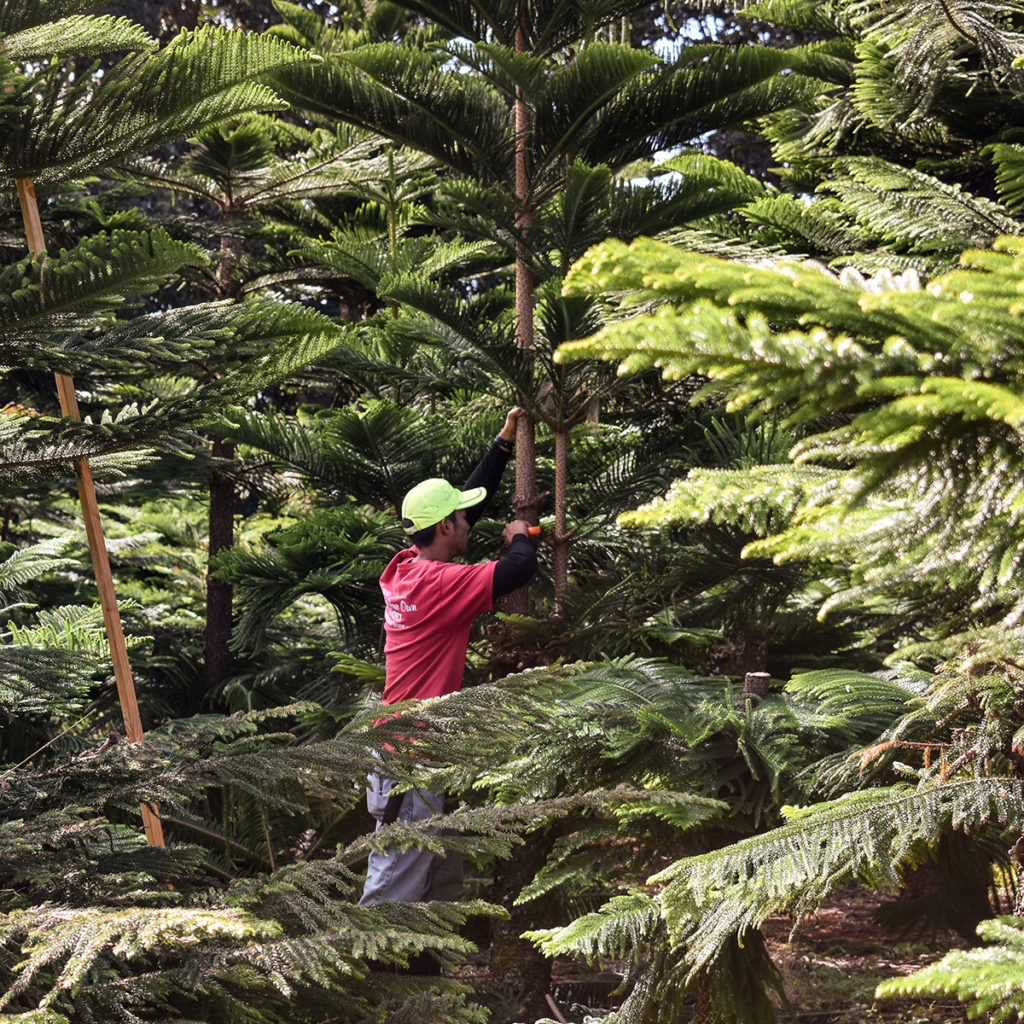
x=518, y=971
x=217, y=656
x=526, y=501
x=516, y=968
x=560, y=542
x=217, y=651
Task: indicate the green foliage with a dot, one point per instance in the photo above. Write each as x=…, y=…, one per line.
x=48, y=665
x=18, y=15
x=76, y=36
x=760, y=499
x=899, y=403
x=914, y=372
x=291, y=932
x=903, y=209
x=272, y=188
x=631, y=927
x=77, y=291
x=81, y=123
x=236, y=165
x=988, y=979
x=866, y=836
x=919, y=43
x=916, y=78
x=894, y=378
x=337, y=554
x=608, y=106
x=292, y=337
x=866, y=704
x=24, y=565
x=83, y=936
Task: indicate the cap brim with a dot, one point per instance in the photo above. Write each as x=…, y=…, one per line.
x=472, y=497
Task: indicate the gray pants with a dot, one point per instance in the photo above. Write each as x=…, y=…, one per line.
x=411, y=876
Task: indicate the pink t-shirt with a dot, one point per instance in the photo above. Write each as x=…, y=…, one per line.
x=428, y=610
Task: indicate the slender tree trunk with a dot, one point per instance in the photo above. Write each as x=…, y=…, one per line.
x=560, y=555
x=217, y=656
x=221, y=535
x=518, y=970
x=516, y=967
x=526, y=502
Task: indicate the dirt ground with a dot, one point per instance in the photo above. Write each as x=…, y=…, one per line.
x=830, y=966
x=833, y=962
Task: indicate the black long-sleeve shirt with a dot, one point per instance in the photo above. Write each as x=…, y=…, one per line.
x=518, y=564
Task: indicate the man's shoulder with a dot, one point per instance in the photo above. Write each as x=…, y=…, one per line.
x=406, y=570
x=452, y=585
x=397, y=565
x=460, y=571
x=448, y=573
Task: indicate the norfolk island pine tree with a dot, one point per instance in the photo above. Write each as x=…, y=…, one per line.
x=576, y=151
x=540, y=192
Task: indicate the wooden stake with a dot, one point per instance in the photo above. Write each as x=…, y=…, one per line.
x=94, y=533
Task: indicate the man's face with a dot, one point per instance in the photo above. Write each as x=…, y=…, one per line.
x=461, y=542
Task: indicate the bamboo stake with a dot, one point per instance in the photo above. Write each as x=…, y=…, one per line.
x=94, y=533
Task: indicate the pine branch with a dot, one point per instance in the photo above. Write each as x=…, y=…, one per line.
x=989, y=979
x=379, y=86
x=904, y=208
x=65, y=292
x=79, y=36
x=338, y=555
x=760, y=501
x=902, y=366
x=19, y=15
x=30, y=563
x=80, y=123
x=862, y=836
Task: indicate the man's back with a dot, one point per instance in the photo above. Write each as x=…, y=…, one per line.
x=429, y=607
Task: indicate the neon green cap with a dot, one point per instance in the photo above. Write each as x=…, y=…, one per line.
x=430, y=501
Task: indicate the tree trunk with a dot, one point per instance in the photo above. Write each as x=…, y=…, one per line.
x=746, y=651
x=217, y=651
x=756, y=687
x=560, y=558
x=221, y=532
x=518, y=971
x=526, y=501
x=702, y=1010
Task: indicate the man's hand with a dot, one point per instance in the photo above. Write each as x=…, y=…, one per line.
x=508, y=432
x=517, y=526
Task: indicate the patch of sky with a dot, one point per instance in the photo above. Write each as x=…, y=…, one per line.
x=663, y=155
x=223, y=17
x=669, y=47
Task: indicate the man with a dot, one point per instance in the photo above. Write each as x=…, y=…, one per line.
x=430, y=603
